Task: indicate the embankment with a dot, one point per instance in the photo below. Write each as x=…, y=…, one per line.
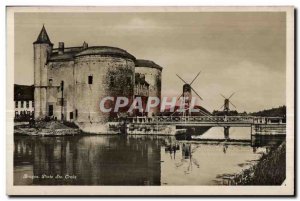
x=43, y=128
x=270, y=170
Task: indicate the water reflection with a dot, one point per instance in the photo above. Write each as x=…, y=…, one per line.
x=127, y=160
x=94, y=160
x=225, y=147
x=266, y=140
x=202, y=163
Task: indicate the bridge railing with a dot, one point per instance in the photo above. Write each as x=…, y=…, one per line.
x=269, y=120
x=193, y=119
x=205, y=119
x=208, y=119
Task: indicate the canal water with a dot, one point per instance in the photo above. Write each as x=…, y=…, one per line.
x=130, y=160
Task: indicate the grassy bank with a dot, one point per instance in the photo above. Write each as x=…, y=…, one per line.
x=47, y=128
x=270, y=170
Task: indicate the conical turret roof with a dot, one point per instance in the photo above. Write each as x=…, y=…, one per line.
x=43, y=37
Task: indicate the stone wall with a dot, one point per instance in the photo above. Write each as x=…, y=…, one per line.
x=57, y=72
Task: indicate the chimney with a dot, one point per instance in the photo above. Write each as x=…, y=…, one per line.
x=85, y=45
x=61, y=47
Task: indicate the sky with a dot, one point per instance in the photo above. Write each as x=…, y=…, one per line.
x=241, y=52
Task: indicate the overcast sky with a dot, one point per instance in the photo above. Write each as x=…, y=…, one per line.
x=236, y=52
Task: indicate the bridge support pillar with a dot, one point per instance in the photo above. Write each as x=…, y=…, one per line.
x=226, y=132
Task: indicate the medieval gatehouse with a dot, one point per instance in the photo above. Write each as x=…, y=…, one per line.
x=69, y=82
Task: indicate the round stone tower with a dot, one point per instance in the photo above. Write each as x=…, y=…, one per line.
x=99, y=72
x=152, y=73
x=42, y=48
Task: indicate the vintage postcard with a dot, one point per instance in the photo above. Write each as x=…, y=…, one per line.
x=150, y=101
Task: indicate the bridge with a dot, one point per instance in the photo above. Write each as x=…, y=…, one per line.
x=209, y=121
x=170, y=125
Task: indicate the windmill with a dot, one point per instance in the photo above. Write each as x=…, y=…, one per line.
x=187, y=91
x=227, y=102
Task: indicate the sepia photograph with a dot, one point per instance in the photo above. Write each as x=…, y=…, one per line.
x=150, y=101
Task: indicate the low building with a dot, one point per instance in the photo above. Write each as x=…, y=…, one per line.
x=24, y=102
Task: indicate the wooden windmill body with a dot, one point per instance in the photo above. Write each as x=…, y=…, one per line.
x=227, y=103
x=187, y=95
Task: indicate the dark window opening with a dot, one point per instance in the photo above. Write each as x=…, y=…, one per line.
x=128, y=80
x=71, y=115
x=50, y=110
x=22, y=104
x=76, y=113
x=27, y=104
x=62, y=85
x=90, y=79
x=16, y=102
x=112, y=81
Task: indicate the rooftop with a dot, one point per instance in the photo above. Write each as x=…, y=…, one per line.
x=147, y=63
x=43, y=37
x=23, y=92
x=68, y=55
x=105, y=51
x=71, y=52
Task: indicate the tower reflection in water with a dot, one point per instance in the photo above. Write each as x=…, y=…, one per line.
x=109, y=160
